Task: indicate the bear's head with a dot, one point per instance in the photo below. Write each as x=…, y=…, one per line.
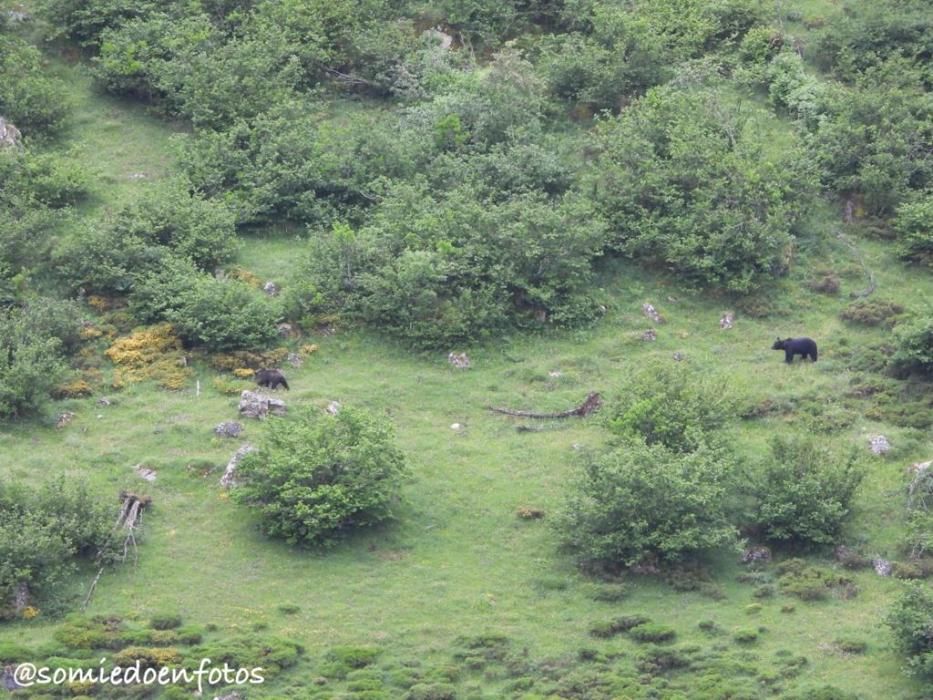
x=779, y=344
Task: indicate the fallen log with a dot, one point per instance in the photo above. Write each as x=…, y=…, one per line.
x=590, y=405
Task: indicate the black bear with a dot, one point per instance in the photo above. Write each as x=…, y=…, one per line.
x=271, y=378
x=805, y=347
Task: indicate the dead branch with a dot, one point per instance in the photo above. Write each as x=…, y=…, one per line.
x=590, y=405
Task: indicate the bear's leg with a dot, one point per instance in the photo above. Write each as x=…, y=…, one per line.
x=788, y=356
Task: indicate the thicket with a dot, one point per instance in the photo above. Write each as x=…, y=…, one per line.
x=803, y=491
x=911, y=622
x=316, y=477
x=44, y=533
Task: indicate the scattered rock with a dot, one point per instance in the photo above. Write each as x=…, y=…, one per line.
x=652, y=313
x=64, y=419
x=137, y=176
x=256, y=405
x=679, y=356
x=10, y=136
x=879, y=445
x=104, y=401
x=286, y=330
x=17, y=16
x=144, y=472
x=456, y=426
x=333, y=408
x=882, y=566
x=229, y=696
x=555, y=373
x=460, y=360
x=271, y=288
x=294, y=359
x=649, y=335
x=726, y=321
x=229, y=476
x=230, y=429
x=754, y=555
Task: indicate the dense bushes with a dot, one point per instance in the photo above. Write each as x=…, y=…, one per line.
x=911, y=622
x=682, y=183
x=914, y=226
x=144, y=236
x=31, y=353
x=804, y=491
x=671, y=405
x=318, y=476
x=43, y=531
x=436, y=270
x=638, y=503
x=914, y=344
x=29, y=97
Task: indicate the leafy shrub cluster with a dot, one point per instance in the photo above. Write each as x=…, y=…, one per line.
x=317, y=476
x=911, y=622
x=668, y=488
x=167, y=226
x=682, y=183
x=29, y=97
x=32, y=346
x=804, y=490
x=44, y=531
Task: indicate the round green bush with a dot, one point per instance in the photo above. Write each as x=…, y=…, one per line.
x=317, y=476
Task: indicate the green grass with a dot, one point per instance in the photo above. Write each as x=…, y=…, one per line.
x=458, y=561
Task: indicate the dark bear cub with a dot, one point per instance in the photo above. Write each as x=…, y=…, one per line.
x=271, y=378
x=805, y=347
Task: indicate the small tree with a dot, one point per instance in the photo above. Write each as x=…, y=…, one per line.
x=914, y=345
x=804, y=491
x=642, y=502
x=318, y=476
x=911, y=621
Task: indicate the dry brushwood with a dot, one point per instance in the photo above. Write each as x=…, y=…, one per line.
x=131, y=508
x=590, y=405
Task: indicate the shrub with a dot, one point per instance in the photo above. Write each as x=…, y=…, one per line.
x=318, y=476
x=730, y=224
x=165, y=622
x=913, y=223
x=149, y=354
x=671, y=406
x=812, y=583
x=648, y=632
x=44, y=531
x=271, y=653
x=224, y=314
x=30, y=363
x=914, y=344
x=353, y=657
x=638, y=502
x=911, y=622
x=851, y=646
x=29, y=96
x=745, y=636
x=804, y=491
x=872, y=312
x=432, y=691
